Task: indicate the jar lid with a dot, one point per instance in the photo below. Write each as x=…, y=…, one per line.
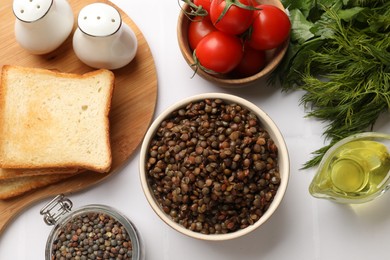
x=31, y=10
x=93, y=229
x=99, y=19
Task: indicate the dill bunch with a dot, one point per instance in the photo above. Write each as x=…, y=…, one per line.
x=342, y=62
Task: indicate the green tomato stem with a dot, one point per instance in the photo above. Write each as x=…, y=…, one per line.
x=230, y=3
x=195, y=10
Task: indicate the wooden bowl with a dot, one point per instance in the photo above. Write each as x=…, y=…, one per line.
x=266, y=123
x=273, y=57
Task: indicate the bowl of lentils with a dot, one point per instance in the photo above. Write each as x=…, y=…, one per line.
x=214, y=166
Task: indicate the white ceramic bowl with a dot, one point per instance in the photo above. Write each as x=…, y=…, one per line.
x=268, y=125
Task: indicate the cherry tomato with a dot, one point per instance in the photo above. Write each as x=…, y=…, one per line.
x=251, y=63
x=228, y=17
x=219, y=52
x=197, y=29
x=270, y=28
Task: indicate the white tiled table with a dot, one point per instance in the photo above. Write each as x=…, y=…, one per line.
x=303, y=228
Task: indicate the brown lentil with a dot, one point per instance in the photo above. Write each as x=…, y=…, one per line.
x=92, y=236
x=228, y=172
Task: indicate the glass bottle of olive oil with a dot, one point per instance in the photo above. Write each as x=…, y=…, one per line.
x=354, y=170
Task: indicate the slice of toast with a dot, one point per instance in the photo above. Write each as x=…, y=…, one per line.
x=50, y=119
x=20, y=173
x=14, y=187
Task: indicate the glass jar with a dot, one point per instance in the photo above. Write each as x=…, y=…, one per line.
x=92, y=229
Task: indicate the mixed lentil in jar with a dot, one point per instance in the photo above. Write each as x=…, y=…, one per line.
x=92, y=236
x=212, y=167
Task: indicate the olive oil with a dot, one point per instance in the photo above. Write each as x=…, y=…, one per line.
x=354, y=172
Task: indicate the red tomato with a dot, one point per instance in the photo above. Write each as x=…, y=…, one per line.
x=228, y=17
x=270, y=28
x=197, y=29
x=219, y=52
x=251, y=63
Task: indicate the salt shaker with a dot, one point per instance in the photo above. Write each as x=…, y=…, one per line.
x=102, y=39
x=41, y=26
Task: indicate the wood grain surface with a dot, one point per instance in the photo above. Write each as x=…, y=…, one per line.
x=133, y=104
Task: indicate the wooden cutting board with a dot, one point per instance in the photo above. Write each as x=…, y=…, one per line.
x=132, y=110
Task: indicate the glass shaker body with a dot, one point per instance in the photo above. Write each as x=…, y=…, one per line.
x=41, y=26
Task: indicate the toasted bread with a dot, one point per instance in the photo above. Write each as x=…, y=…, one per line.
x=20, y=173
x=50, y=119
x=14, y=187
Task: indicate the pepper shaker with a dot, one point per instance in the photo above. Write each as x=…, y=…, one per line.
x=102, y=39
x=41, y=26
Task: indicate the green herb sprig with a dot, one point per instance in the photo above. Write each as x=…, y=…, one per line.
x=339, y=55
